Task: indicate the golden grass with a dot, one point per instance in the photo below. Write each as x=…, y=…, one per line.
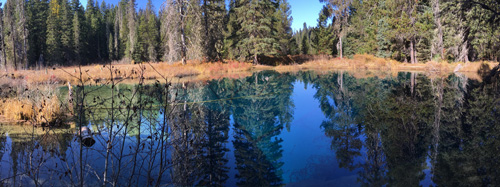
x=201, y=71
x=46, y=112
x=130, y=71
x=370, y=62
x=15, y=109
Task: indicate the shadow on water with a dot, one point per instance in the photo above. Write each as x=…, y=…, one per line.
x=402, y=130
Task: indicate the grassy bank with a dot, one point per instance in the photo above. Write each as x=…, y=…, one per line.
x=370, y=62
x=31, y=95
x=206, y=71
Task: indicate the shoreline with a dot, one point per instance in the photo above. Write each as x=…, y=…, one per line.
x=177, y=72
x=21, y=91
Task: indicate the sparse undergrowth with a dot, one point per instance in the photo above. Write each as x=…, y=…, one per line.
x=38, y=104
x=370, y=62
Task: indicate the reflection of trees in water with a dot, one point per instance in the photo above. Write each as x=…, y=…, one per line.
x=400, y=121
x=259, y=117
x=30, y=149
x=199, y=137
x=401, y=118
x=336, y=103
x=3, y=140
x=468, y=151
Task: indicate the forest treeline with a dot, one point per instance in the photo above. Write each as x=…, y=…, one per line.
x=62, y=32
x=406, y=30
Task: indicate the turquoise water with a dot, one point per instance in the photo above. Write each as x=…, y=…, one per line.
x=271, y=129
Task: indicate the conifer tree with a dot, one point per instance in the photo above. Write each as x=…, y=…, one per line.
x=66, y=32
x=231, y=36
x=341, y=9
x=283, y=27
x=3, y=61
x=53, y=33
x=256, y=20
x=132, y=34
x=37, y=13
x=324, y=37
x=213, y=23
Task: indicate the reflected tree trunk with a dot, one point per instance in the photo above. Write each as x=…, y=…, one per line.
x=413, y=81
x=438, y=100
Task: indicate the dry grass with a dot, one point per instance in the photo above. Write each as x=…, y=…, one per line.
x=370, y=62
x=37, y=103
x=47, y=112
x=129, y=71
x=124, y=70
x=17, y=109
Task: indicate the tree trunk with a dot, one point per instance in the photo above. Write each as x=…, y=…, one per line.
x=439, y=35
x=340, y=47
x=183, y=34
x=12, y=34
x=255, y=60
x=2, y=38
x=25, y=36
x=412, y=53
x=413, y=81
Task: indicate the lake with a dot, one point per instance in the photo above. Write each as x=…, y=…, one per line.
x=270, y=129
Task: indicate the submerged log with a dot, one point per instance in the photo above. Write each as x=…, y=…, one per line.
x=85, y=135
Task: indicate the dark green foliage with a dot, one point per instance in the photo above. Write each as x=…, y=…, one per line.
x=62, y=32
x=283, y=27
x=213, y=23
x=53, y=40
x=256, y=33
x=37, y=27
x=146, y=49
x=324, y=38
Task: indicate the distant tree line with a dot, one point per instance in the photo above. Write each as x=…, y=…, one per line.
x=405, y=30
x=62, y=32
x=38, y=33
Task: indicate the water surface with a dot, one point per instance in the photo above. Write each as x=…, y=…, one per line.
x=271, y=129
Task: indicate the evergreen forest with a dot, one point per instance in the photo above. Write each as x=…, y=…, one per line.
x=47, y=33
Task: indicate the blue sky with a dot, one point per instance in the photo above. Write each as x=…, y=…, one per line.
x=302, y=10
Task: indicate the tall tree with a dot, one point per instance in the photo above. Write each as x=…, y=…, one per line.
x=231, y=36
x=66, y=32
x=3, y=61
x=213, y=22
x=256, y=20
x=37, y=13
x=53, y=33
x=341, y=11
x=132, y=35
x=324, y=38
x=283, y=27
x=77, y=28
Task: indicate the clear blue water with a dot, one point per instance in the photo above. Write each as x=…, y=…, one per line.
x=272, y=129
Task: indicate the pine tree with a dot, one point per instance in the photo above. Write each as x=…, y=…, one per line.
x=256, y=20
x=131, y=24
x=283, y=27
x=341, y=11
x=213, y=23
x=324, y=37
x=192, y=30
x=383, y=40
x=54, y=46
x=231, y=36
x=170, y=31
x=37, y=13
x=66, y=32
x=153, y=34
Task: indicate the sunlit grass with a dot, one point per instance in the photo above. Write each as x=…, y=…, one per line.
x=22, y=109
x=129, y=71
